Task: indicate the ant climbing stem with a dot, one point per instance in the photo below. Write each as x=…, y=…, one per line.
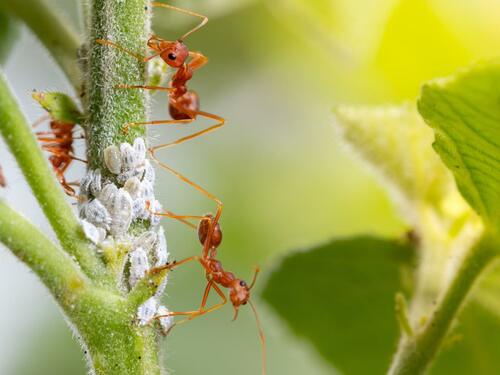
x=210, y=236
x=58, y=141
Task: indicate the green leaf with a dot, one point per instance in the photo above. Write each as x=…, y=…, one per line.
x=8, y=34
x=59, y=106
x=464, y=111
x=340, y=296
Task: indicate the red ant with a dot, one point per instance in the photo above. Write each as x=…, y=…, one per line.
x=210, y=236
x=184, y=104
x=3, y=183
x=58, y=141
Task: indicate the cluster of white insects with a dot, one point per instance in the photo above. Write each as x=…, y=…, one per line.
x=107, y=210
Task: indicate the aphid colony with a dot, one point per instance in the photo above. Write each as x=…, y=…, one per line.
x=107, y=211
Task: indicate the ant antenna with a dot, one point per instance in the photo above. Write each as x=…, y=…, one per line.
x=261, y=336
x=257, y=270
x=202, y=23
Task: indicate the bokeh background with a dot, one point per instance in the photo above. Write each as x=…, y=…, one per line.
x=277, y=68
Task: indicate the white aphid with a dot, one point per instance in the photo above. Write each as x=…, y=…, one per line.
x=147, y=311
x=160, y=251
x=97, y=214
x=129, y=157
x=107, y=193
x=133, y=187
x=146, y=240
x=113, y=159
x=166, y=321
x=139, y=265
x=95, y=185
x=137, y=172
x=140, y=151
x=120, y=209
x=91, y=231
x=85, y=183
x=155, y=208
x=147, y=190
x=149, y=172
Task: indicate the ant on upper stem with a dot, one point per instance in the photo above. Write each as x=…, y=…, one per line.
x=184, y=104
x=58, y=141
x=210, y=236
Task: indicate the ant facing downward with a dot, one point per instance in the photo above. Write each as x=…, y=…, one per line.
x=58, y=141
x=239, y=290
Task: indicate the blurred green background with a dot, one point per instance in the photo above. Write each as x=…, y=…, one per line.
x=276, y=69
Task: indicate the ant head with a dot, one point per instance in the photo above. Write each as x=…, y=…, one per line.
x=239, y=295
x=61, y=126
x=173, y=53
x=203, y=229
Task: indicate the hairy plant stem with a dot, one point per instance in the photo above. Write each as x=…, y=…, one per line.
x=125, y=23
x=54, y=32
x=415, y=353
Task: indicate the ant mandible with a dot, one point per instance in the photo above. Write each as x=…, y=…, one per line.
x=210, y=236
x=58, y=141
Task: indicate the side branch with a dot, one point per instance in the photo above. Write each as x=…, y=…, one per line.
x=57, y=271
x=416, y=353
x=53, y=31
x=18, y=136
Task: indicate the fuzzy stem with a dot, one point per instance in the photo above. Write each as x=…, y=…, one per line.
x=54, y=31
x=415, y=354
x=125, y=23
x=57, y=271
x=19, y=137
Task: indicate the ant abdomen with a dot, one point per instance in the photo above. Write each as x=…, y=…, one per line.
x=203, y=229
x=185, y=105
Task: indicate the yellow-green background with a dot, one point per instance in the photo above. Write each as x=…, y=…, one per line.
x=276, y=69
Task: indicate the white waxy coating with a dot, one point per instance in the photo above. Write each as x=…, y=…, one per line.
x=120, y=209
x=166, y=321
x=154, y=208
x=147, y=190
x=149, y=172
x=147, y=240
x=135, y=172
x=97, y=214
x=95, y=185
x=85, y=183
x=139, y=265
x=147, y=311
x=129, y=157
x=113, y=159
x=140, y=151
x=133, y=187
x=91, y=231
x=160, y=251
x=107, y=193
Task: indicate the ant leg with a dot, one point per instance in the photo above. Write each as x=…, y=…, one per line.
x=157, y=122
x=41, y=120
x=158, y=88
x=173, y=265
x=181, y=218
x=202, y=23
x=201, y=311
x=141, y=58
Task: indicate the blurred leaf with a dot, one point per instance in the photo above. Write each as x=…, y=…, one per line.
x=464, y=112
x=59, y=106
x=397, y=143
x=8, y=34
x=340, y=296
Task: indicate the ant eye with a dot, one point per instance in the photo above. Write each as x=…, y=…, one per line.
x=172, y=56
x=242, y=283
x=244, y=303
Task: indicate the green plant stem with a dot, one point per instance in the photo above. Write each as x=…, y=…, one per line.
x=54, y=31
x=55, y=268
x=415, y=354
x=110, y=108
x=146, y=288
x=19, y=137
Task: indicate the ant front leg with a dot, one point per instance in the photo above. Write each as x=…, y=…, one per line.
x=204, y=19
x=201, y=311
